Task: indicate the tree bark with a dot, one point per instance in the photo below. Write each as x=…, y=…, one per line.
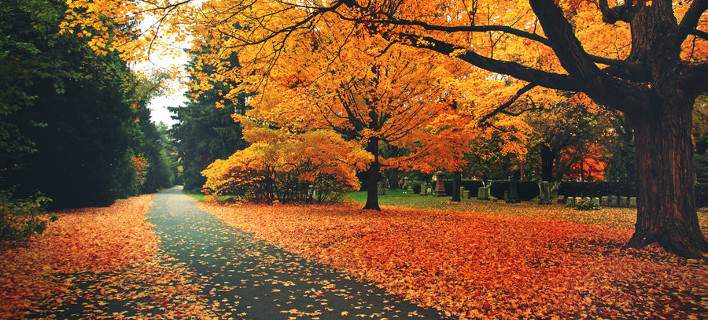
x=373, y=175
x=547, y=158
x=456, y=183
x=666, y=211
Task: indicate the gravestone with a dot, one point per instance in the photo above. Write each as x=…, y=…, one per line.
x=513, y=192
x=570, y=202
x=381, y=188
x=632, y=202
x=310, y=192
x=439, y=185
x=544, y=196
x=623, y=202
x=604, y=201
x=613, y=201
x=483, y=193
x=561, y=199
x=465, y=194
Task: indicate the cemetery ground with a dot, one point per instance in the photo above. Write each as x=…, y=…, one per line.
x=170, y=256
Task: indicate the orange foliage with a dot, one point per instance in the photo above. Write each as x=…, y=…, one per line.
x=83, y=240
x=141, y=165
x=525, y=264
x=306, y=158
x=586, y=165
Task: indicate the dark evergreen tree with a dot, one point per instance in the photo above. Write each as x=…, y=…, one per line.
x=205, y=133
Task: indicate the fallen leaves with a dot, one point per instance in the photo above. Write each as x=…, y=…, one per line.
x=98, y=263
x=82, y=240
x=474, y=265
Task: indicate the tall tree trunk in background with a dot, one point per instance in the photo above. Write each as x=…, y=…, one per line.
x=547, y=158
x=666, y=210
x=373, y=175
x=456, y=183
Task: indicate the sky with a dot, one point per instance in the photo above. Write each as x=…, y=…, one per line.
x=169, y=55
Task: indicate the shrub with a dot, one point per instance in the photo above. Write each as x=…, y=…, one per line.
x=586, y=204
x=282, y=166
x=20, y=218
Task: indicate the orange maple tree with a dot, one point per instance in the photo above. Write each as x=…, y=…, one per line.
x=356, y=85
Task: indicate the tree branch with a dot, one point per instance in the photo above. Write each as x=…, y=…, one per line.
x=564, y=43
x=461, y=28
x=695, y=79
x=516, y=70
x=614, y=14
x=698, y=33
x=690, y=21
x=502, y=108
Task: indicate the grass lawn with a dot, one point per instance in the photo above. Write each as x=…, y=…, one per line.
x=203, y=198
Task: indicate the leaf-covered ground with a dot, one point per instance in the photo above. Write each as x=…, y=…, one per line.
x=526, y=261
x=244, y=278
x=170, y=260
x=96, y=263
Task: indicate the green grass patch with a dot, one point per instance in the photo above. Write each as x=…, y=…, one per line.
x=403, y=198
x=203, y=198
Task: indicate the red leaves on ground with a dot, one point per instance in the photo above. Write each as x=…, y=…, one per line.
x=82, y=240
x=478, y=265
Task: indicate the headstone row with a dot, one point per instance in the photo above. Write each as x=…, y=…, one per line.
x=605, y=201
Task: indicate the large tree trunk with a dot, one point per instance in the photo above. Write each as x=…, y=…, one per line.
x=456, y=183
x=372, y=195
x=666, y=211
x=547, y=158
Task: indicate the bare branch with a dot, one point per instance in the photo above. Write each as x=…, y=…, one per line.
x=690, y=21
x=614, y=14
x=502, y=108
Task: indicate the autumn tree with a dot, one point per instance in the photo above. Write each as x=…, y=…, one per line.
x=356, y=85
x=570, y=125
x=288, y=167
x=645, y=59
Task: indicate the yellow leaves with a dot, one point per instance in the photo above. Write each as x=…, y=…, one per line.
x=457, y=52
x=308, y=156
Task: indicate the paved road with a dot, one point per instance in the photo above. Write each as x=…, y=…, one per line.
x=243, y=278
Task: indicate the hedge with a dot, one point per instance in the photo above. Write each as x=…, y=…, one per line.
x=527, y=189
x=597, y=189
